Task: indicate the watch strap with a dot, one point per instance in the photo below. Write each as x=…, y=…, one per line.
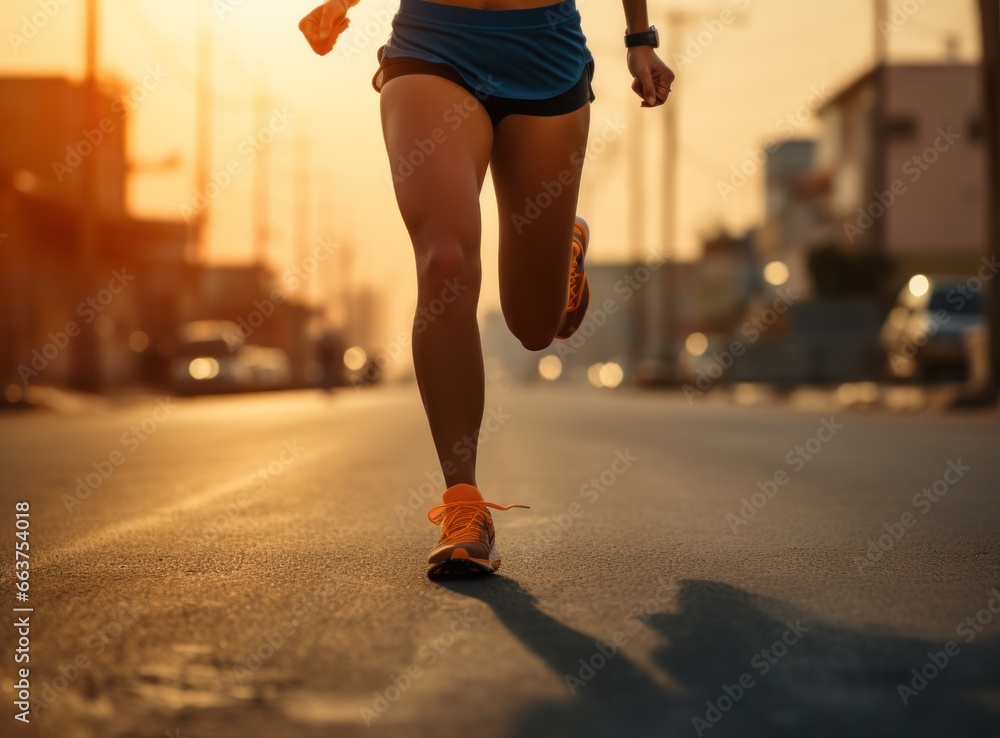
x=643, y=38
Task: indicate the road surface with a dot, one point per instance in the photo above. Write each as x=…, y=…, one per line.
x=254, y=566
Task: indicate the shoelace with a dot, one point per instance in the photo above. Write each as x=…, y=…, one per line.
x=575, y=276
x=457, y=517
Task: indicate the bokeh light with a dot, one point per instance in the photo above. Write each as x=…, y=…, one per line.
x=355, y=358
x=550, y=368
x=138, y=341
x=594, y=374
x=611, y=375
x=919, y=284
x=777, y=273
x=204, y=367
x=696, y=344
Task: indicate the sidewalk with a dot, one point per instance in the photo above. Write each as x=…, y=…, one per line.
x=71, y=402
x=871, y=396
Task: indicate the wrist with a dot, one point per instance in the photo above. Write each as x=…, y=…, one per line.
x=637, y=22
x=648, y=38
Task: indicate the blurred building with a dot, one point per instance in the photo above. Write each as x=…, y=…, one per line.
x=45, y=134
x=707, y=295
x=143, y=285
x=795, y=213
x=906, y=170
x=725, y=279
x=896, y=185
x=138, y=268
x=266, y=315
x=615, y=328
x=362, y=320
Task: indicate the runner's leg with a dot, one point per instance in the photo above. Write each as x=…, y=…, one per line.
x=438, y=197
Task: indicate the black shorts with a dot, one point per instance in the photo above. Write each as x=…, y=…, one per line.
x=496, y=107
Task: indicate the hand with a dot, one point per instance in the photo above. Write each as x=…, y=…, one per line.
x=325, y=23
x=651, y=78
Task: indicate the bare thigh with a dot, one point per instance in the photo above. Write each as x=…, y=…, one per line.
x=438, y=139
x=537, y=163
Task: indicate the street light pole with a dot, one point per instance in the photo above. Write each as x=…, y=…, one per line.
x=637, y=226
x=261, y=189
x=880, y=80
x=303, y=201
x=881, y=37
x=666, y=312
x=86, y=367
x=203, y=132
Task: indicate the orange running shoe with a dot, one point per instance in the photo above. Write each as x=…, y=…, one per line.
x=468, y=541
x=579, y=287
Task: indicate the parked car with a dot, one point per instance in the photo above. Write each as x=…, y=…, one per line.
x=266, y=368
x=206, y=358
x=923, y=332
x=211, y=356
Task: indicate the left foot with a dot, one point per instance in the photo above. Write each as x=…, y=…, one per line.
x=579, y=287
x=468, y=541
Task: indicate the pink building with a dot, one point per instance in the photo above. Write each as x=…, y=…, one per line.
x=908, y=177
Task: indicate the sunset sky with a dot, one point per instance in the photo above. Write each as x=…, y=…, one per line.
x=732, y=97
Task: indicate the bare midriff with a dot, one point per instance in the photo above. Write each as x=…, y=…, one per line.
x=496, y=4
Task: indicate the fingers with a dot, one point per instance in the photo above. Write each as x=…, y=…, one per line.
x=312, y=26
x=307, y=24
x=324, y=46
x=647, y=89
x=662, y=93
x=326, y=24
x=320, y=45
x=653, y=86
x=341, y=27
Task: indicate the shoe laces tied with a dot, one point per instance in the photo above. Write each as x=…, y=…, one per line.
x=456, y=518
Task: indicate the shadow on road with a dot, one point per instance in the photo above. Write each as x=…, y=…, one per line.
x=830, y=681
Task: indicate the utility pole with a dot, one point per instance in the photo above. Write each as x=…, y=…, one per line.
x=261, y=188
x=665, y=328
x=881, y=37
x=303, y=209
x=637, y=225
x=880, y=154
x=665, y=310
x=203, y=132
x=328, y=284
x=990, y=17
x=346, y=296
x=637, y=181
x=86, y=362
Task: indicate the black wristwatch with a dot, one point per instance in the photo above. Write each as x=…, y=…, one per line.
x=643, y=38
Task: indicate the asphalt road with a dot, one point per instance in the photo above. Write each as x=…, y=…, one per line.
x=254, y=566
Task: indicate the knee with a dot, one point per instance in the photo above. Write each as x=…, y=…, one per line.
x=447, y=268
x=532, y=336
x=536, y=341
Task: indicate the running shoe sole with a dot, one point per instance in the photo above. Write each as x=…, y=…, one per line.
x=461, y=564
